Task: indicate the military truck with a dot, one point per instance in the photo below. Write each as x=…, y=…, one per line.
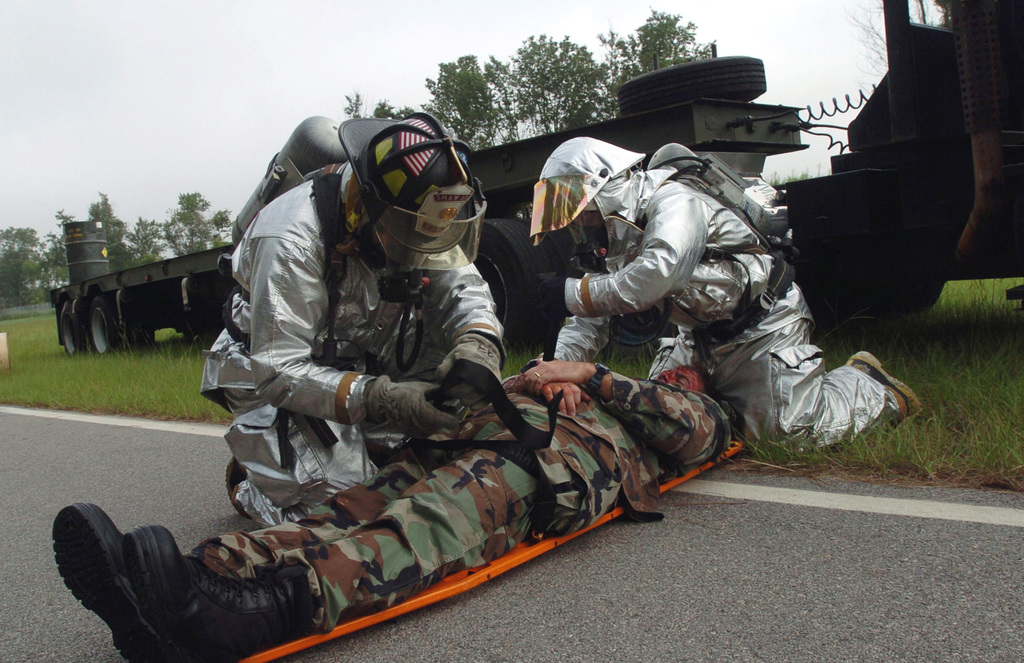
x=878, y=235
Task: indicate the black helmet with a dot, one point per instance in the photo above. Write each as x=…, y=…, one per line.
x=414, y=183
x=397, y=162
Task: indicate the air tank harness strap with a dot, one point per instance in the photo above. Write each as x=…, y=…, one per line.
x=327, y=200
x=780, y=279
x=318, y=427
x=528, y=438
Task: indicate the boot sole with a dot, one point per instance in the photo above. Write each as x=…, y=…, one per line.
x=880, y=375
x=90, y=571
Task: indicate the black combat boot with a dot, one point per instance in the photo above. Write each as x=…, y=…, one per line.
x=201, y=615
x=88, y=548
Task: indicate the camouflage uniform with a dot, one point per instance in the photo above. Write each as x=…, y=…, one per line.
x=432, y=512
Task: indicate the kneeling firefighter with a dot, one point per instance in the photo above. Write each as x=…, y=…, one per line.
x=357, y=293
x=693, y=236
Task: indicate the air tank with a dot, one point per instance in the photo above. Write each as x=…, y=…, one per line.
x=313, y=145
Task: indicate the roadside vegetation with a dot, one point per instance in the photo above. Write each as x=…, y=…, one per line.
x=962, y=357
x=161, y=382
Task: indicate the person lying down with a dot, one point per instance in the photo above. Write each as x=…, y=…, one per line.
x=456, y=500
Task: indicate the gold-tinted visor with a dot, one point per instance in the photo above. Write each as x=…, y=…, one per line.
x=556, y=202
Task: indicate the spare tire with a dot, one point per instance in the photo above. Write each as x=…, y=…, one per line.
x=734, y=78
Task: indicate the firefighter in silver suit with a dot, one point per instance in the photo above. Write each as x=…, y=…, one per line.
x=332, y=353
x=660, y=239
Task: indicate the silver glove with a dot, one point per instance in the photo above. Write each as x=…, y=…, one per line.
x=404, y=405
x=477, y=349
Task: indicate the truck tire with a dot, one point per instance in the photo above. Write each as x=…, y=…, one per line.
x=640, y=333
x=510, y=265
x=104, y=328
x=69, y=330
x=734, y=78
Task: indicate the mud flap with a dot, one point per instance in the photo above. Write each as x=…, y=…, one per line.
x=464, y=580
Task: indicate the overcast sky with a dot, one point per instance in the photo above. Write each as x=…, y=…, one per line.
x=146, y=100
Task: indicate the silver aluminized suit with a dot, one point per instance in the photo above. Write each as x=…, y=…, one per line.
x=694, y=250
x=280, y=264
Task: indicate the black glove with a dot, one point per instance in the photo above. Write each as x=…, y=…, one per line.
x=404, y=405
x=552, y=299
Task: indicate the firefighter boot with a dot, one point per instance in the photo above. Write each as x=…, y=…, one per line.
x=201, y=615
x=88, y=548
x=906, y=400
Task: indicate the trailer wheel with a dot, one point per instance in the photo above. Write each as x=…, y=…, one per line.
x=104, y=330
x=70, y=333
x=735, y=78
x=510, y=265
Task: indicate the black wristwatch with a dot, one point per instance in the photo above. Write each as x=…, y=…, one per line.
x=594, y=383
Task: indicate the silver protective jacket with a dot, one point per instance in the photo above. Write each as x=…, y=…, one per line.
x=668, y=239
x=280, y=264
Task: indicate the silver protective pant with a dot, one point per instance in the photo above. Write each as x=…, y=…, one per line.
x=775, y=380
x=275, y=491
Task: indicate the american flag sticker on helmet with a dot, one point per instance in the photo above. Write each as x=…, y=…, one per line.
x=417, y=160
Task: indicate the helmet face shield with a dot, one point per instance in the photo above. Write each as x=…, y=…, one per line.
x=557, y=201
x=441, y=234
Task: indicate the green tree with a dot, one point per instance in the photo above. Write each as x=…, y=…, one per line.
x=53, y=261
x=118, y=254
x=20, y=268
x=384, y=110
x=464, y=99
x=189, y=228
x=144, y=241
x=550, y=85
x=355, y=107
x=557, y=84
x=662, y=41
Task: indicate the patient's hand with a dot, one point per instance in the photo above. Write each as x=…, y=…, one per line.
x=549, y=378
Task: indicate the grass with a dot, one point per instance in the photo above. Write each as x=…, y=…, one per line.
x=161, y=382
x=963, y=358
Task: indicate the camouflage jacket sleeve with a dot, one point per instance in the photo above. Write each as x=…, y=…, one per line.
x=683, y=426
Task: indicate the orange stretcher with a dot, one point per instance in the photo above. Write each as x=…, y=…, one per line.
x=461, y=581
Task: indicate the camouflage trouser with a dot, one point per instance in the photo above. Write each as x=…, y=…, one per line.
x=425, y=515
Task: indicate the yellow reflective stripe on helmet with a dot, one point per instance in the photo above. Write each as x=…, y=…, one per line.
x=383, y=148
x=395, y=180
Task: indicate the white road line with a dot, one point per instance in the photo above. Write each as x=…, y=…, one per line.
x=211, y=430
x=896, y=507
x=841, y=501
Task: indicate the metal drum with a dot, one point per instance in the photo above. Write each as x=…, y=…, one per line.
x=86, y=245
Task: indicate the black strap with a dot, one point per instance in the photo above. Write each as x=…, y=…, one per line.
x=284, y=445
x=554, y=326
x=327, y=200
x=780, y=279
x=229, y=323
x=322, y=431
x=528, y=438
x=481, y=378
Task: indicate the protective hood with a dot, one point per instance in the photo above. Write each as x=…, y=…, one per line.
x=575, y=175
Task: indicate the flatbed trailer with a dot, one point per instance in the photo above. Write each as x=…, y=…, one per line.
x=185, y=293
x=879, y=235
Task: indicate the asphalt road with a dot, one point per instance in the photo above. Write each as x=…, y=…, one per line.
x=744, y=569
